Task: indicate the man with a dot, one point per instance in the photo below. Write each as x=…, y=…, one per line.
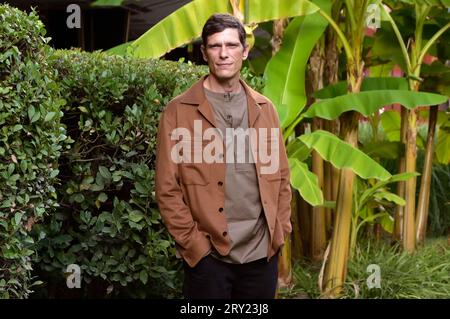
x=228, y=213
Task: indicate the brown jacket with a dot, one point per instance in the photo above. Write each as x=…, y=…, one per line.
x=191, y=196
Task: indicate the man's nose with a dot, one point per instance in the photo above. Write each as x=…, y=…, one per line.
x=223, y=51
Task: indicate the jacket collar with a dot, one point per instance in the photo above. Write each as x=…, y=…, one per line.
x=196, y=96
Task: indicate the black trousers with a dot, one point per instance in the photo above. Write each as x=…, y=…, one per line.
x=215, y=279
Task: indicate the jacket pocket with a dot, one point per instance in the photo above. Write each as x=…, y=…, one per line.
x=195, y=173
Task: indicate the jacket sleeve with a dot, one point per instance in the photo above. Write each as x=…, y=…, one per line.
x=285, y=195
x=176, y=215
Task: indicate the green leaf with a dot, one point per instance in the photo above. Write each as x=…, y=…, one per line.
x=83, y=109
x=372, y=217
x=33, y=115
x=31, y=112
x=11, y=168
x=343, y=155
x=390, y=121
x=443, y=147
x=186, y=24
x=136, y=216
x=54, y=173
x=107, y=3
x=141, y=188
x=121, y=49
x=179, y=28
x=260, y=11
x=285, y=72
x=366, y=103
x=79, y=198
x=386, y=46
x=104, y=172
x=384, y=149
x=305, y=182
x=329, y=204
x=49, y=116
x=391, y=197
x=23, y=165
x=368, y=84
x=387, y=223
x=143, y=276
x=297, y=149
x=102, y=197
x=18, y=218
x=368, y=193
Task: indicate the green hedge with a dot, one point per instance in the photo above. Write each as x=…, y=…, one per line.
x=30, y=143
x=108, y=222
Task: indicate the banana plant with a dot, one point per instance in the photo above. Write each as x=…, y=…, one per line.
x=334, y=150
x=371, y=203
x=410, y=226
x=365, y=103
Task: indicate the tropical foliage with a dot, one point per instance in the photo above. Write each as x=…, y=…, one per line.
x=330, y=79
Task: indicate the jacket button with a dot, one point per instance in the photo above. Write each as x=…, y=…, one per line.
x=224, y=234
x=220, y=183
x=208, y=236
x=221, y=209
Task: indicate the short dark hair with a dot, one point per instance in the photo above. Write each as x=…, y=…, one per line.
x=219, y=22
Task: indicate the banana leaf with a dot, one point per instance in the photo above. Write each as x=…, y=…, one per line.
x=120, y=49
x=391, y=197
x=384, y=149
x=185, y=24
x=443, y=146
x=368, y=84
x=285, y=72
x=107, y=3
x=366, y=103
x=343, y=155
x=305, y=182
x=390, y=120
x=297, y=149
x=395, y=178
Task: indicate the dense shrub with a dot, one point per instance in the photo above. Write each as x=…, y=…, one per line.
x=30, y=142
x=108, y=222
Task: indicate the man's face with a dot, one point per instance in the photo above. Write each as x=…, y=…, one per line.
x=224, y=54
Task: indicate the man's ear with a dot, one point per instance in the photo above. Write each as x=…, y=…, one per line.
x=202, y=49
x=245, y=52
